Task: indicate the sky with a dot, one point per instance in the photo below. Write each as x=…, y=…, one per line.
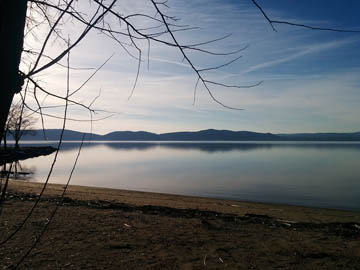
x=310, y=79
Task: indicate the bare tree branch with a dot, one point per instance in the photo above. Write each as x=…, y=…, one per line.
x=272, y=22
x=92, y=75
x=81, y=37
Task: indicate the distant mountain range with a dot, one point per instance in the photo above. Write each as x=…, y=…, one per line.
x=203, y=135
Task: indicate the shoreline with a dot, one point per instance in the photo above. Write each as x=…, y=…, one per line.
x=101, y=228
x=228, y=206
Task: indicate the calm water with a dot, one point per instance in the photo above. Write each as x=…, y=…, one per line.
x=312, y=174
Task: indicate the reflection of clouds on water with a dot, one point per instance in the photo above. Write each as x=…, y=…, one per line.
x=209, y=147
x=315, y=174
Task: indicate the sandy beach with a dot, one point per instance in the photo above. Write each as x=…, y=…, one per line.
x=98, y=228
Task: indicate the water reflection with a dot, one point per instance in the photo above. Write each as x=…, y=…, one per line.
x=314, y=174
x=208, y=147
x=17, y=171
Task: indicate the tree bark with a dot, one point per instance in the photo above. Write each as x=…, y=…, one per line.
x=12, y=24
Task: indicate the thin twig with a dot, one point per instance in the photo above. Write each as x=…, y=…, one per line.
x=92, y=75
x=272, y=22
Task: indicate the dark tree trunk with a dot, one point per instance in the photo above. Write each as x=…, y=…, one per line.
x=12, y=23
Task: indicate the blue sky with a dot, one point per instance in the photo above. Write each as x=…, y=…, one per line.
x=311, y=78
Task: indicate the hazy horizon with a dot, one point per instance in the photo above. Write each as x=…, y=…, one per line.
x=104, y=133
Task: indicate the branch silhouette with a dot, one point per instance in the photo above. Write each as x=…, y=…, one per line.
x=272, y=22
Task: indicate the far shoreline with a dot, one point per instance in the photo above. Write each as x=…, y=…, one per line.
x=201, y=135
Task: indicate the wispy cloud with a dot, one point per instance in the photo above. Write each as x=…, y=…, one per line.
x=301, y=52
x=164, y=95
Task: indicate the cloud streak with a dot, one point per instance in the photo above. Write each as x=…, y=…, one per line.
x=163, y=98
x=301, y=52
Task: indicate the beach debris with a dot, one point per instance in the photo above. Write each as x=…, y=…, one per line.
x=209, y=219
x=204, y=260
x=235, y=205
x=221, y=260
x=288, y=223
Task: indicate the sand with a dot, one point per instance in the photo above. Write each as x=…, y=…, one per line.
x=98, y=228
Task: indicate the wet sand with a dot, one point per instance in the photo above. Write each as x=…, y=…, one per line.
x=98, y=228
